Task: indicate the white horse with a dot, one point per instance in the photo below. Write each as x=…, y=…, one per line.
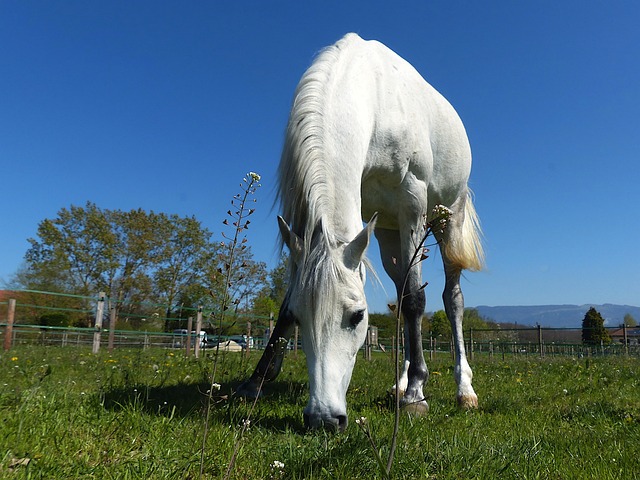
x=367, y=138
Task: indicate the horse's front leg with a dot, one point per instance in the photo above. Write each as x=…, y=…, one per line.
x=413, y=305
x=454, y=307
x=270, y=363
x=395, y=260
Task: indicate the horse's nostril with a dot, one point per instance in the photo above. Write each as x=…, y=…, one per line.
x=343, y=421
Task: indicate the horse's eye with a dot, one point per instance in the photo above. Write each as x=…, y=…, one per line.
x=356, y=318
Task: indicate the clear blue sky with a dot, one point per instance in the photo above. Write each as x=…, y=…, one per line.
x=166, y=105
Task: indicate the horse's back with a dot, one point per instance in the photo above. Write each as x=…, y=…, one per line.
x=366, y=128
x=417, y=151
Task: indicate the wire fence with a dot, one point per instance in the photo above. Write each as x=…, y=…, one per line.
x=23, y=320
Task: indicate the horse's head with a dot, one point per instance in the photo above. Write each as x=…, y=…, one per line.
x=326, y=296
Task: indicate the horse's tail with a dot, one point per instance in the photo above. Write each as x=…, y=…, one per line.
x=464, y=247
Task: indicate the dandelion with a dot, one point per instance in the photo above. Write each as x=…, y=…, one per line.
x=14, y=359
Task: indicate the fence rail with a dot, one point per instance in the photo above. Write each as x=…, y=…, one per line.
x=70, y=337
x=538, y=340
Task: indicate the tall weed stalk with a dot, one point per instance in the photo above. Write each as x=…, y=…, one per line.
x=238, y=221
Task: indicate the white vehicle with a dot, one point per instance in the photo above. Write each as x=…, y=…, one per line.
x=180, y=336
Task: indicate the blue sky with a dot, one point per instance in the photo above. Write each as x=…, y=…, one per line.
x=165, y=106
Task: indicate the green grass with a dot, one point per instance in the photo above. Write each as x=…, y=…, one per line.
x=139, y=414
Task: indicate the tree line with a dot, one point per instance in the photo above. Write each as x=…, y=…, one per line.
x=160, y=266
x=148, y=264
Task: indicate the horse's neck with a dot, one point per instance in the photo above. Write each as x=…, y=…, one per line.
x=342, y=213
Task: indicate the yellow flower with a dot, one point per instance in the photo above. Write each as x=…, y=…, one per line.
x=14, y=359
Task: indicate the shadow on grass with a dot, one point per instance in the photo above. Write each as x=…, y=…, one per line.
x=190, y=399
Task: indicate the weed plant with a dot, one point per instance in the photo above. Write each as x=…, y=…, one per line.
x=66, y=413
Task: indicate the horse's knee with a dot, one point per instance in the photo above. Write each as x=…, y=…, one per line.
x=413, y=304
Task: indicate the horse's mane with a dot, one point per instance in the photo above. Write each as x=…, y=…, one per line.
x=303, y=183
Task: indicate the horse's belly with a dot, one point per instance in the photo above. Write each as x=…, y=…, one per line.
x=397, y=201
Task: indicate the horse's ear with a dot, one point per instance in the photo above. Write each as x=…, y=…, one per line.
x=354, y=251
x=293, y=241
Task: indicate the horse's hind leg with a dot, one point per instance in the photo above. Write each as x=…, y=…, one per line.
x=454, y=307
x=270, y=363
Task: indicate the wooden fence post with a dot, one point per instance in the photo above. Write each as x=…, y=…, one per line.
x=98, y=324
x=367, y=345
x=247, y=345
x=270, y=323
x=625, y=339
x=540, y=345
x=8, y=330
x=189, y=326
x=112, y=327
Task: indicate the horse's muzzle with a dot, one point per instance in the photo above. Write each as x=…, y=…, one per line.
x=336, y=423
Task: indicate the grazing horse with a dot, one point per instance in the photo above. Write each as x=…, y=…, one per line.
x=367, y=138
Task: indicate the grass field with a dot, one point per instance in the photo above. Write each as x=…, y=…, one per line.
x=65, y=413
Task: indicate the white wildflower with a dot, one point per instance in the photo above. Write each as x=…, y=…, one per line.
x=441, y=211
x=216, y=386
x=254, y=176
x=277, y=465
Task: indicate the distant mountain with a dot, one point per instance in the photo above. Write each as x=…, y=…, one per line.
x=558, y=316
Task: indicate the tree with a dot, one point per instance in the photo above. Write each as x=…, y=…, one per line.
x=472, y=319
x=71, y=253
x=440, y=326
x=385, y=322
x=629, y=321
x=73, y=250
x=269, y=299
x=139, y=258
x=187, y=251
x=593, y=331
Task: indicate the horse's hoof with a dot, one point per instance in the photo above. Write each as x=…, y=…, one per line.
x=468, y=401
x=419, y=408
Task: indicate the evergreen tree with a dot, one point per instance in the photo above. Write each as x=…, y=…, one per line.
x=593, y=331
